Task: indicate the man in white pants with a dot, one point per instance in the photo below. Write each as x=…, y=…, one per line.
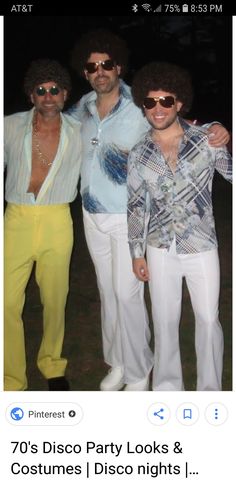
x=111, y=125
x=170, y=175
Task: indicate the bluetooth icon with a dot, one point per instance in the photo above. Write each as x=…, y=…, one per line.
x=135, y=8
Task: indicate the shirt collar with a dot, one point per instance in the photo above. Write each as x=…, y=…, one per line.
x=31, y=114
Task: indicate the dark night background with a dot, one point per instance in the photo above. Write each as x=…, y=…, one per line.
x=203, y=44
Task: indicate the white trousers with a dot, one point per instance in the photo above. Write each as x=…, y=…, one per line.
x=201, y=271
x=125, y=327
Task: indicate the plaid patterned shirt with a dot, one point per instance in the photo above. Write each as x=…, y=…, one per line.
x=163, y=205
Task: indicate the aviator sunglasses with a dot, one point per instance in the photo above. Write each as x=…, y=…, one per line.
x=165, y=102
x=92, y=67
x=53, y=90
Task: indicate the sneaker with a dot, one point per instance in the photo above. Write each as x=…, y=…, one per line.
x=58, y=384
x=114, y=381
x=142, y=385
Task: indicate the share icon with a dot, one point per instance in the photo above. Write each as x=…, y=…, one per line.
x=158, y=413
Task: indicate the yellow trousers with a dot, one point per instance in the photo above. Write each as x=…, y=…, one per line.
x=41, y=234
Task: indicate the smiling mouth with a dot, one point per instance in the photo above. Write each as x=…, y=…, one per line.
x=159, y=117
x=47, y=105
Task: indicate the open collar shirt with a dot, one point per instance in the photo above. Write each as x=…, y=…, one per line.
x=163, y=205
x=60, y=184
x=106, y=146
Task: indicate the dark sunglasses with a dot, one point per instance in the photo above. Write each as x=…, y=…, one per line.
x=165, y=102
x=92, y=67
x=41, y=91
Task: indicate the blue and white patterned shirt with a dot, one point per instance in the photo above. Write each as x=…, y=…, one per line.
x=106, y=146
x=177, y=204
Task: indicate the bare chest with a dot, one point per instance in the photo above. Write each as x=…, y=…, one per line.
x=44, y=150
x=170, y=150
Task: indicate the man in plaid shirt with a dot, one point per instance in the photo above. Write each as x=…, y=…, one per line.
x=170, y=217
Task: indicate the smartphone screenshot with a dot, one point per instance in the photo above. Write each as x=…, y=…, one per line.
x=117, y=243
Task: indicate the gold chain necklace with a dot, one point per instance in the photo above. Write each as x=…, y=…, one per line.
x=36, y=144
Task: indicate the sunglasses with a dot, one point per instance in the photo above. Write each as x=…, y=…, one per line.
x=165, y=102
x=41, y=91
x=92, y=67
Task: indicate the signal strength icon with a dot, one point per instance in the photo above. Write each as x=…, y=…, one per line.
x=158, y=9
x=147, y=7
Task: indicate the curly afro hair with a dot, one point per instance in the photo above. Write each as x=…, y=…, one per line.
x=45, y=70
x=102, y=41
x=165, y=77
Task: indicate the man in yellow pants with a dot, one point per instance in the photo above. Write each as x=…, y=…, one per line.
x=42, y=157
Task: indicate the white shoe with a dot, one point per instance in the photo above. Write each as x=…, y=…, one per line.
x=142, y=385
x=114, y=381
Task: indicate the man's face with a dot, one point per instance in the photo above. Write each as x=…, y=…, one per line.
x=102, y=80
x=159, y=116
x=48, y=98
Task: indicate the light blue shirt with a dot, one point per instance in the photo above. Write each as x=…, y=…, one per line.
x=106, y=146
x=60, y=184
x=178, y=205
